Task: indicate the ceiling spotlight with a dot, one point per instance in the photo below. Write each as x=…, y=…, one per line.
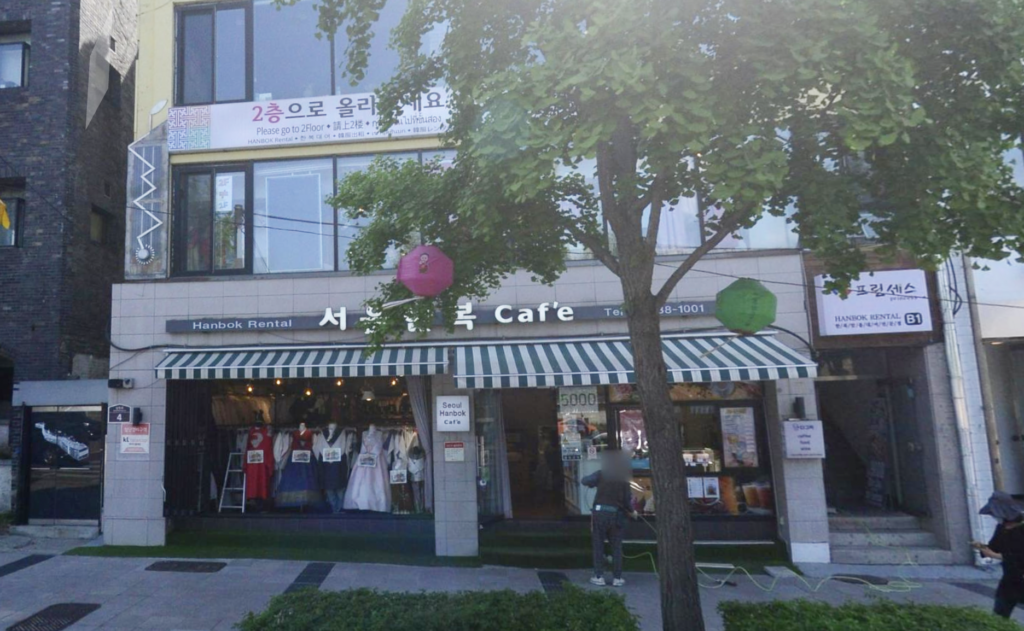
x=277, y=381
x=340, y=382
x=309, y=392
x=368, y=395
x=394, y=381
x=248, y=388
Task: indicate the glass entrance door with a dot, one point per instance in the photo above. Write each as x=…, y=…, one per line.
x=66, y=461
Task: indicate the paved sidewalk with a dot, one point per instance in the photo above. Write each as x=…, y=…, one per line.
x=134, y=599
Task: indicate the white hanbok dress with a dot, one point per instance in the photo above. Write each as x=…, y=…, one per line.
x=369, y=486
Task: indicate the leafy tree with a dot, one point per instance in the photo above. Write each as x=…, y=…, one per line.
x=893, y=113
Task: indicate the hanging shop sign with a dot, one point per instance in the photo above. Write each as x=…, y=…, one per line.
x=135, y=439
x=305, y=121
x=876, y=303
x=804, y=439
x=468, y=316
x=452, y=414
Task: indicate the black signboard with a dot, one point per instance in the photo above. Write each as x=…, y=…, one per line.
x=119, y=414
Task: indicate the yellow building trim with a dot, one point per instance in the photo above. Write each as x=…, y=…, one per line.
x=307, y=151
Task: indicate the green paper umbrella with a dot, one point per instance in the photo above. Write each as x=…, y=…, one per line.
x=745, y=307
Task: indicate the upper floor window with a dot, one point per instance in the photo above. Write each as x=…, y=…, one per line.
x=253, y=51
x=14, y=51
x=12, y=205
x=267, y=217
x=213, y=54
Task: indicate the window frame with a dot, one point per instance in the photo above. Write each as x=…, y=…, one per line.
x=179, y=240
x=16, y=211
x=25, y=43
x=179, y=50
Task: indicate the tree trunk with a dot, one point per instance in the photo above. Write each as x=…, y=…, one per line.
x=680, y=597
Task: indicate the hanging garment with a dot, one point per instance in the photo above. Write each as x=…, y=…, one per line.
x=299, y=486
x=282, y=447
x=333, y=458
x=258, y=463
x=368, y=486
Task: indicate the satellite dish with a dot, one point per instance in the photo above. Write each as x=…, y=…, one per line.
x=159, y=106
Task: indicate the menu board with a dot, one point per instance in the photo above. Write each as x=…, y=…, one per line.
x=739, y=438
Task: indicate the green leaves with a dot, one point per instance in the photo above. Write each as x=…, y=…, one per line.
x=896, y=111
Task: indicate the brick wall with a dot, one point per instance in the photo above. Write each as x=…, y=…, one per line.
x=56, y=285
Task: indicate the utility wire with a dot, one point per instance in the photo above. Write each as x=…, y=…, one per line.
x=822, y=288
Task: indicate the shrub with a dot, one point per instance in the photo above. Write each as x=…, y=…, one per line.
x=802, y=615
x=573, y=609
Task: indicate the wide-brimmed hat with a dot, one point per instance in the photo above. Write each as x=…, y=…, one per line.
x=1003, y=506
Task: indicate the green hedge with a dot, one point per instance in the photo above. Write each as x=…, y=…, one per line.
x=573, y=609
x=802, y=615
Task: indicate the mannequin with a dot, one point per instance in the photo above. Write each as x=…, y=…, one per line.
x=259, y=461
x=299, y=486
x=334, y=464
x=369, y=487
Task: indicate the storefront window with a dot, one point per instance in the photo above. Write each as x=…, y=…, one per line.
x=198, y=203
x=724, y=447
x=289, y=62
x=305, y=446
x=229, y=221
x=383, y=60
x=294, y=226
x=212, y=54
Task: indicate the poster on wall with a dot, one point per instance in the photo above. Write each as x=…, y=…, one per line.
x=876, y=303
x=632, y=435
x=739, y=438
x=135, y=439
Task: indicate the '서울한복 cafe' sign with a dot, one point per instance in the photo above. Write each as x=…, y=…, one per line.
x=468, y=316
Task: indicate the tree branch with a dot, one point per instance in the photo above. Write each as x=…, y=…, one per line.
x=600, y=251
x=727, y=226
x=654, y=224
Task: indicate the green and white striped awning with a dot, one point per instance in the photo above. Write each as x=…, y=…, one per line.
x=610, y=361
x=256, y=363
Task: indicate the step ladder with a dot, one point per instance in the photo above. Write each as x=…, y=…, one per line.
x=234, y=485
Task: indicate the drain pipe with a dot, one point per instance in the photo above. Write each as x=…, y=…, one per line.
x=991, y=426
x=959, y=392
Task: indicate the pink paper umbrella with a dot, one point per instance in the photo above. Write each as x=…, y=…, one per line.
x=426, y=271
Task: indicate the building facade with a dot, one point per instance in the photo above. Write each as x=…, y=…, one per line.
x=66, y=107
x=239, y=356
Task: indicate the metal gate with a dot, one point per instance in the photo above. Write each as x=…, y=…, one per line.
x=189, y=423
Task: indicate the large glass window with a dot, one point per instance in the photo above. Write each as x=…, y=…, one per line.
x=348, y=229
x=288, y=60
x=212, y=54
x=294, y=226
x=383, y=60
x=13, y=63
x=211, y=220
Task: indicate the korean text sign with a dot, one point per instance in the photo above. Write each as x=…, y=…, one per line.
x=314, y=120
x=878, y=303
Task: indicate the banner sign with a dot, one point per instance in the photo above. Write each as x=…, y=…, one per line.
x=876, y=303
x=468, y=316
x=305, y=121
x=134, y=439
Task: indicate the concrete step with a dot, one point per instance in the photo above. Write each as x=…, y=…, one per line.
x=850, y=523
x=875, y=555
x=57, y=531
x=884, y=538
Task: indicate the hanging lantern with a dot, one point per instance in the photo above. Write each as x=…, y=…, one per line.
x=745, y=307
x=426, y=271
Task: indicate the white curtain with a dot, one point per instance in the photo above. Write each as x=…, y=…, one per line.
x=421, y=413
x=501, y=466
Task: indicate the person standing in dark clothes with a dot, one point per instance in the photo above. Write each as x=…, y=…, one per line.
x=1007, y=545
x=608, y=514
